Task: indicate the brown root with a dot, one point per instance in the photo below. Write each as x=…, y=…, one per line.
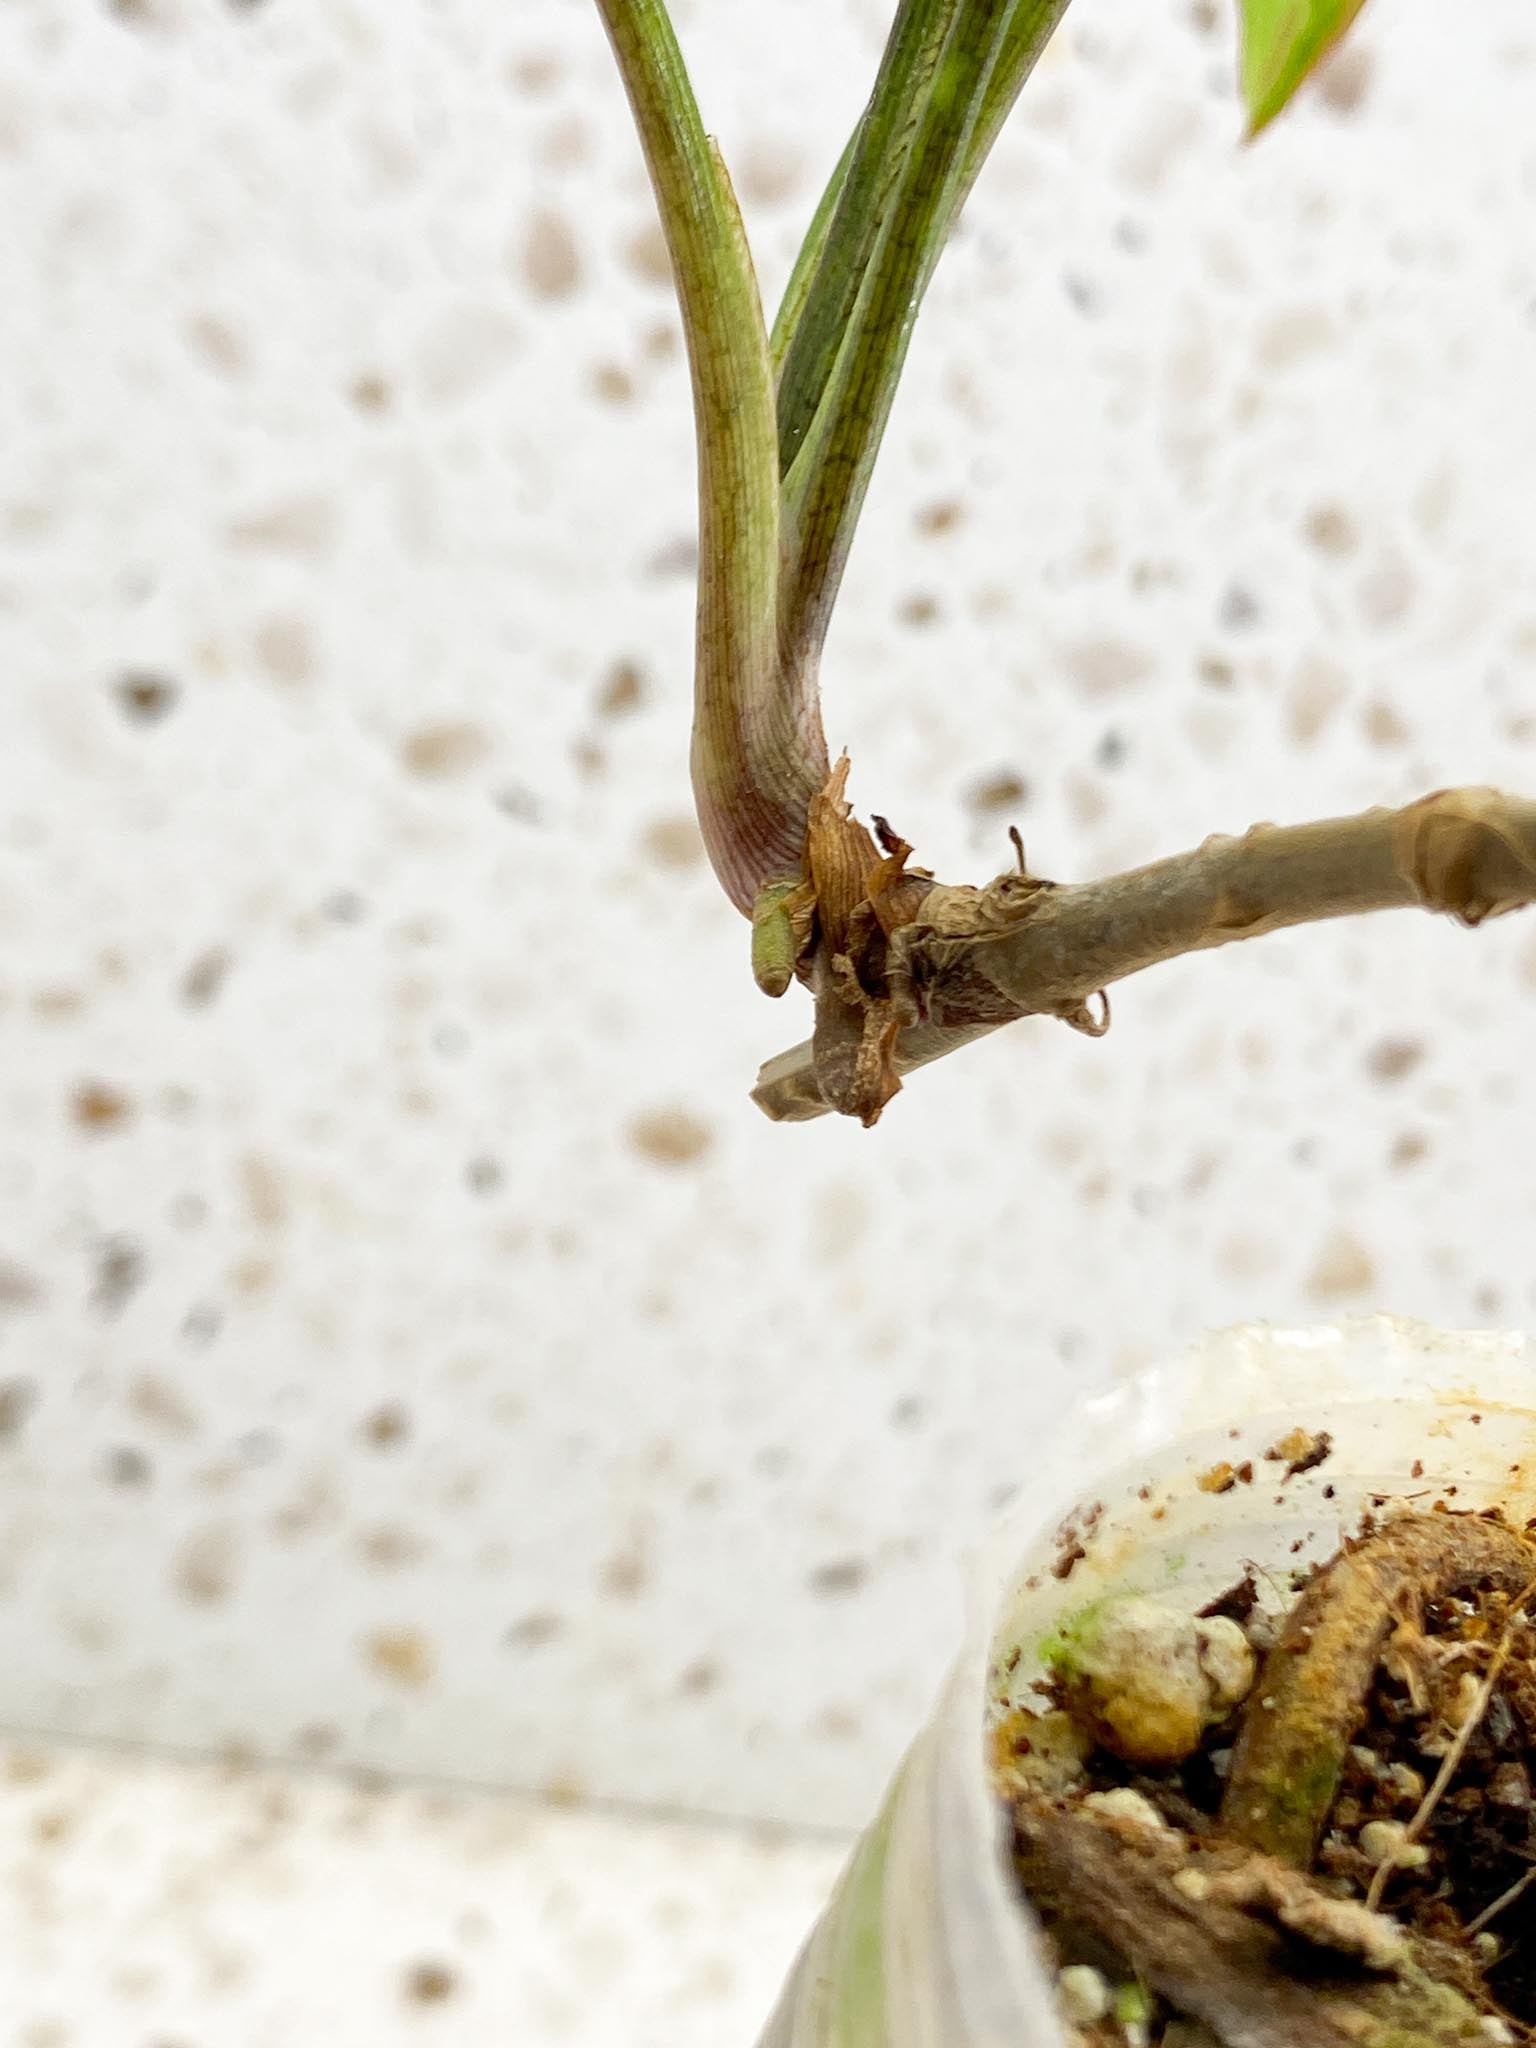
x=1312, y=1692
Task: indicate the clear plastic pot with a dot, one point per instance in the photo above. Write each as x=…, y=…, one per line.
x=926, y=1943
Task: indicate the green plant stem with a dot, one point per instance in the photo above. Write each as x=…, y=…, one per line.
x=876, y=154
x=834, y=257
x=758, y=754
x=803, y=273
x=1031, y=25
x=825, y=488
x=949, y=75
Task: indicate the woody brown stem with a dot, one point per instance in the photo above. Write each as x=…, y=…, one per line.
x=976, y=958
x=1218, y=1936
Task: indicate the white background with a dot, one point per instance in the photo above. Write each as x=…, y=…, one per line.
x=415, y=1351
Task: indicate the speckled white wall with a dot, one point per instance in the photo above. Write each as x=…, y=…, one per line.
x=416, y=1352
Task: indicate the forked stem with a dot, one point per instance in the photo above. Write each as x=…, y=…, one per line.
x=978, y=958
x=758, y=753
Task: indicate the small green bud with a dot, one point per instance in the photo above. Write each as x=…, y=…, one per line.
x=773, y=938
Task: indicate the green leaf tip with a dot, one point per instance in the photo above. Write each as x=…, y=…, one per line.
x=1283, y=42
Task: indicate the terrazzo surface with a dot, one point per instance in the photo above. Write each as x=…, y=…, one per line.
x=415, y=1352
x=148, y=1905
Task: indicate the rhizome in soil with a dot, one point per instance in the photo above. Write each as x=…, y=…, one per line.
x=1301, y=1818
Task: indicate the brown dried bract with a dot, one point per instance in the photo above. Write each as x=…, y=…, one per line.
x=859, y=896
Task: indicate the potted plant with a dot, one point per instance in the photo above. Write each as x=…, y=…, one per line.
x=1239, y=1506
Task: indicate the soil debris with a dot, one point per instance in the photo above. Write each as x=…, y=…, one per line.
x=1294, y=1822
x=1300, y=1450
